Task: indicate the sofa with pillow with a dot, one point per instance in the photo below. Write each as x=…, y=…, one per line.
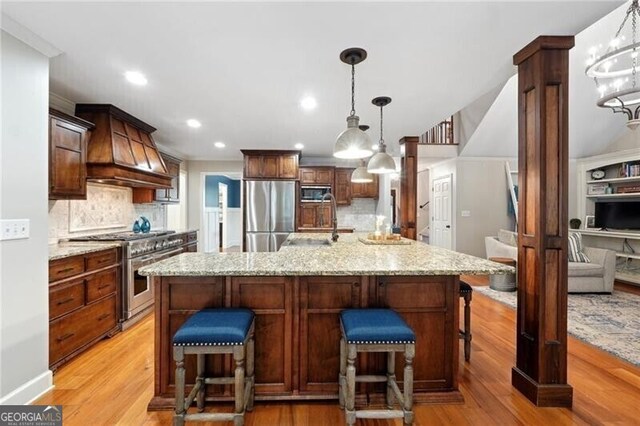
x=595, y=276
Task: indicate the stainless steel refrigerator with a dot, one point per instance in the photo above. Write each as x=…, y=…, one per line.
x=270, y=214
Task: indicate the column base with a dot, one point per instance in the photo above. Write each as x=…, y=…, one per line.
x=542, y=395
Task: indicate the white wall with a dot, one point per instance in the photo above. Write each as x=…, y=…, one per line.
x=481, y=188
x=195, y=188
x=24, y=311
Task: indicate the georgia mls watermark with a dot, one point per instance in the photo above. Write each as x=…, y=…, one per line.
x=30, y=415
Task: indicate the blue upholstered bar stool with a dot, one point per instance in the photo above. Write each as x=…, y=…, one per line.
x=376, y=330
x=215, y=331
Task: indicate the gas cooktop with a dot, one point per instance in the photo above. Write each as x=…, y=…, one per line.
x=122, y=236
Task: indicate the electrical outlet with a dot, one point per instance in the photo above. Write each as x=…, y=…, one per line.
x=14, y=229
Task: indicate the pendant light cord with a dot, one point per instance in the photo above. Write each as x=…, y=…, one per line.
x=381, y=142
x=353, y=90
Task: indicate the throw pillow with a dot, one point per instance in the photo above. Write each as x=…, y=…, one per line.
x=508, y=237
x=575, y=249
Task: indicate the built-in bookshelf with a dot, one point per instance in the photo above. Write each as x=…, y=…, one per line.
x=621, y=181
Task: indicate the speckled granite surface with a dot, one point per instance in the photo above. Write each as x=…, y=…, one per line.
x=346, y=257
x=68, y=249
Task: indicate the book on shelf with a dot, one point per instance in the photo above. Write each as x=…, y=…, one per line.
x=629, y=169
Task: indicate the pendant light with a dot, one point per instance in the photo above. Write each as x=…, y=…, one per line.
x=353, y=142
x=360, y=174
x=381, y=162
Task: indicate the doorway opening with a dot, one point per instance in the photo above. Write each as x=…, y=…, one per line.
x=222, y=212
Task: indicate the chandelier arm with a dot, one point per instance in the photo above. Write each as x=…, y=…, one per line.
x=636, y=113
x=624, y=110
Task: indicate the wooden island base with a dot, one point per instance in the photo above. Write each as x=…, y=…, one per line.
x=298, y=332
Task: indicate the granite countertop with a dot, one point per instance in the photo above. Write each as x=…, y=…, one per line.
x=348, y=256
x=75, y=248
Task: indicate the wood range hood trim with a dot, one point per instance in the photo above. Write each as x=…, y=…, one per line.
x=121, y=150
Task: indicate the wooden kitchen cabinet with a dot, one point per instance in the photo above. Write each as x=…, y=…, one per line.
x=68, y=136
x=271, y=299
x=84, y=302
x=162, y=195
x=342, y=187
x=311, y=213
x=266, y=164
x=316, y=176
x=321, y=301
x=365, y=190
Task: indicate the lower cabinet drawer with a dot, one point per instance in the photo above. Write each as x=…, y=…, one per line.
x=65, y=298
x=101, y=259
x=80, y=327
x=101, y=284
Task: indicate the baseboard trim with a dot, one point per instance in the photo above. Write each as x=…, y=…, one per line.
x=30, y=391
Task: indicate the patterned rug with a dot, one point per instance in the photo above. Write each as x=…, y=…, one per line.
x=609, y=322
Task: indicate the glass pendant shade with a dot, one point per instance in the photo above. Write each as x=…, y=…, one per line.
x=381, y=163
x=361, y=175
x=353, y=143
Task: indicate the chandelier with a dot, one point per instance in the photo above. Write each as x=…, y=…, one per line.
x=353, y=142
x=614, y=69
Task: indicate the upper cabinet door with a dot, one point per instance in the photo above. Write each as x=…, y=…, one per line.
x=288, y=166
x=324, y=176
x=342, y=190
x=307, y=176
x=67, y=156
x=253, y=166
x=270, y=166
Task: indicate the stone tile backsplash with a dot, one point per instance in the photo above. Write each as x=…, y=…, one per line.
x=361, y=214
x=106, y=209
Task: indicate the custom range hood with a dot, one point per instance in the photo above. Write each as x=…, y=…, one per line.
x=121, y=150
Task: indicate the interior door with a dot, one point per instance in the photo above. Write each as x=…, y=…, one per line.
x=441, y=220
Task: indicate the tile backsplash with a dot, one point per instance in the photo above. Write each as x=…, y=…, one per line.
x=106, y=209
x=361, y=214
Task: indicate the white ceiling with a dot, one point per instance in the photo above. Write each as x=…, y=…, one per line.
x=592, y=130
x=242, y=68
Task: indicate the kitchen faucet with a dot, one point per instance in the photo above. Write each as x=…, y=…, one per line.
x=334, y=233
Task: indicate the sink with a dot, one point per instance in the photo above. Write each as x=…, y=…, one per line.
x=307, y=242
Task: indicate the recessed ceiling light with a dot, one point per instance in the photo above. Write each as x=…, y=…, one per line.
x=219, y=144
x=299, y=146
x=192, y=122
x=135, y=77
x=308, y=103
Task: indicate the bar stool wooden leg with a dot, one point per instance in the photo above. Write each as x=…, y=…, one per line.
x=200, y=380
x=343, y=371
x=391, y=377
x=238, y=357
x=250, y=372
x=467, y=327
x=178, y=356
x=350, y=394
x=409, y=354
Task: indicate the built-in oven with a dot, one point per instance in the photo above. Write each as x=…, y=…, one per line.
x=313, y=194
x=139, y=290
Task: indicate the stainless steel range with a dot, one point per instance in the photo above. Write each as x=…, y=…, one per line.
x=140, y=250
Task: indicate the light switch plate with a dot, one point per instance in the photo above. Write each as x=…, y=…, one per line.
x=14, y=229
x=465, y=213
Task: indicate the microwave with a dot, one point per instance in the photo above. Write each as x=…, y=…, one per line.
x=313, y=194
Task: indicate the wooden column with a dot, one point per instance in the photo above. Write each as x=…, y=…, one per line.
x=541, y=356
x=408, y=186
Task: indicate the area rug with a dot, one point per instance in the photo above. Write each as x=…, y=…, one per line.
x=609, y=322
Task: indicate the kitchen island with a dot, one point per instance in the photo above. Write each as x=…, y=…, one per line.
x=297, y=294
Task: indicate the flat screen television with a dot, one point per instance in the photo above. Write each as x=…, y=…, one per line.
x=617, y=214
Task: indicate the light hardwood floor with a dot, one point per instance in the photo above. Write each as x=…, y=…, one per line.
x=113, y=382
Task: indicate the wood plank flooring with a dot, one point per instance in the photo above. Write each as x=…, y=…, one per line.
x=113, y=382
